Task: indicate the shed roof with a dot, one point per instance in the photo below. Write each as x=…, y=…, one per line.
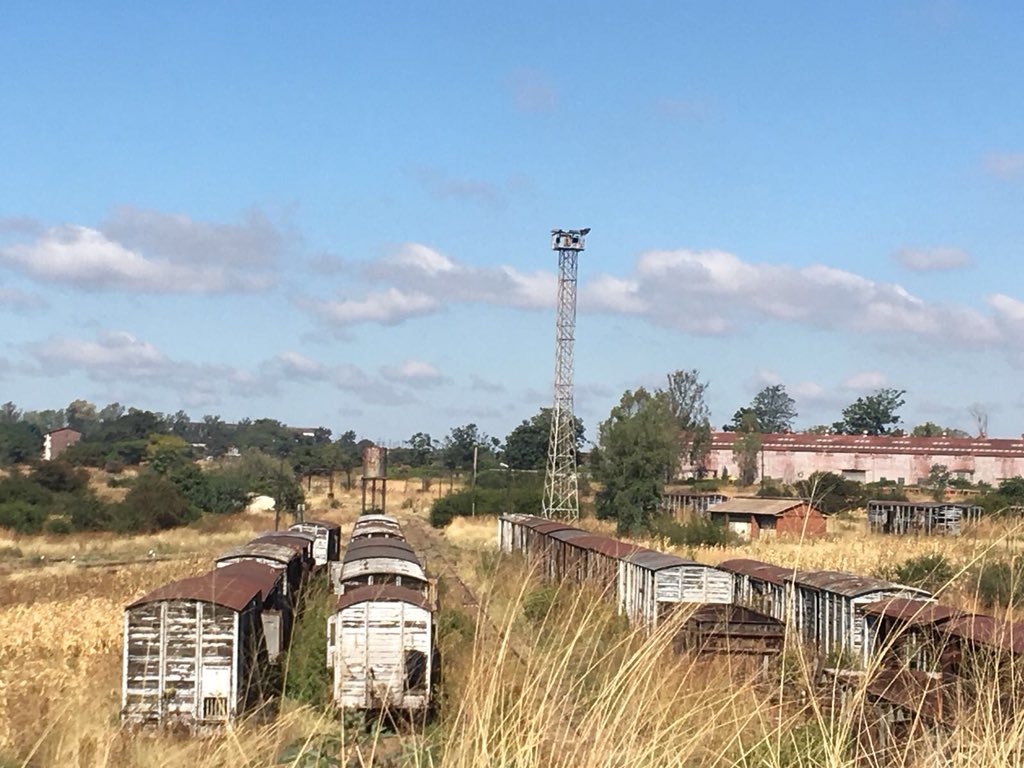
x=990, y=632
x=380, y=548
x=912, y=611
x=752, y=506
x=758, y=569
x=266, y=550
x=657, y=561
x=382, y=593
x=232, y=591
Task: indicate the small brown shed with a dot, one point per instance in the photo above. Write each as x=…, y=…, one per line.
x=751, y=518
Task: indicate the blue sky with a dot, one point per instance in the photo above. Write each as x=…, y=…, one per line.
x=338, y=213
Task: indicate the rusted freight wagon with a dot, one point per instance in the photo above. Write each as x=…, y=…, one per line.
x=297, y=540
x=270, y=554
x=513, y=530
x=760, y=586
x=828, y=607
x=194, y=651
x=652, y=583
x=906, y=634
x=380, y=644
x=378, y=562
x=327, y=544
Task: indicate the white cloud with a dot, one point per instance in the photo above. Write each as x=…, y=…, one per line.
x=865, y=381
x=808, y=390
x=422, y=280
x=1004, y=165
x=150, y=252
x=934, y=259
x=415, y=372
x=442, y=187
x=388, y=308
x=717, y=293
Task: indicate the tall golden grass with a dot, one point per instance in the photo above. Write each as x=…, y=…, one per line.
x=550, y=677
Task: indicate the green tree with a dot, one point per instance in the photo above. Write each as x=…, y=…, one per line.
x=746, y=451
x=637, y=447
x=45, y=421
x=421, y=449
x=688, y=406
x=931, y=429
x=81, y=415
x=20, y=442
x=460, y=444
x=830, y=492
x=774, y=408
x=874, y=414
x=938, y=480
x=526, y=446
x=9, y=413
x=154, y=503
x=167, y=452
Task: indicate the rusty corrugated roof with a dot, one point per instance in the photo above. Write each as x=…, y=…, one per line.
x=914, y=690
x=657, y=561
x=912, y=611
x=606, y=545
x=850, y=584
x=569, y=534
x=955, y=446
x=774, y=574
x=380, y=548
x=395, y=542
x=268, y=577
x=275, y=552
x=551, y=526
x=755, y=506
x=382, y=593
x=986, y=630
x=232, y=591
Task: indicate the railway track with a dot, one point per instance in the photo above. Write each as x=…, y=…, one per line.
x=440, y=556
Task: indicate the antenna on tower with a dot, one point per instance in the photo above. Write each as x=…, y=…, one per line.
x=561, y=485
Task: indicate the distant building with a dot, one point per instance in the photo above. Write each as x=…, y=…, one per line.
x=58, y=441
x=870, y=459
x=751, y=518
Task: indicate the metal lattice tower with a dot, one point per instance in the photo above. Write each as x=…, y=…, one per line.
x=561, y=486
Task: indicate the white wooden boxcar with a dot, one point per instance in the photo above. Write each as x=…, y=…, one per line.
x=828, y=606
x=760, y=586
x=194, y=653
x=651, y=583
x=327, y=547
x=380, y=644
x=513, y=531
x=270, y=554
x=385, y=561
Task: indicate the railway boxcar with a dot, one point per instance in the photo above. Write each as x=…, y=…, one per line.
x=732, y=629
x=297, y=540
x=270, y=554
x=828, y=607
x=513, y=531
x=381, y=648
x=760, y=586
x=194, y=651
x=652, y=583
x=277, y=613
x=327, y=544
x=379, y=562
x=899, y=633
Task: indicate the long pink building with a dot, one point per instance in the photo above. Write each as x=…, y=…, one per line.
x=907, y=460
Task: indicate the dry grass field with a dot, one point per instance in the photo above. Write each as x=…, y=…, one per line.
x=541, y=678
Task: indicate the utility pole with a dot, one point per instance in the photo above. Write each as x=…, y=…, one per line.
x=561, y=484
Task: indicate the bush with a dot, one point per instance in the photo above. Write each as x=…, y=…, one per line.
x=489, y=501
x=306, y=678
x=1000, y=583
x=59, y=476
x=153, y=504
x=537, y=603
x=933, y=572
x=698, y=532
x=22, y=517
x=831, y=493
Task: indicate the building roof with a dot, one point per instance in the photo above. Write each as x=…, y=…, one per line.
x=377, y=593
x=945, y=446
x=233, y=591
x=63, y=429
x=755, y=506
